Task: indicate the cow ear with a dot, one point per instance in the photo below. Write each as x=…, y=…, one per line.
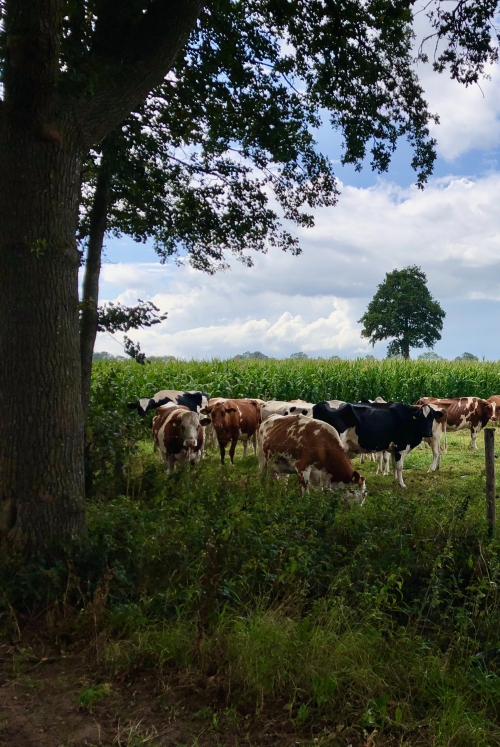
x=438, y=414
x=206, y=411
x=205, y=421
x=292, y=409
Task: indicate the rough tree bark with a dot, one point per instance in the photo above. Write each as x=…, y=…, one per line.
x=44, y=134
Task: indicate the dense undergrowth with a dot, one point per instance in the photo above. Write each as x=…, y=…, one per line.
x=379, y=619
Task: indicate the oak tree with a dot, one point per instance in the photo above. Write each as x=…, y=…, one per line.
x=403, y=308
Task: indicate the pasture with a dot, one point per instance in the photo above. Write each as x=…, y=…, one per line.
x=213, y=607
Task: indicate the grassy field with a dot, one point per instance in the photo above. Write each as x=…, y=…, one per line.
x=214, y=608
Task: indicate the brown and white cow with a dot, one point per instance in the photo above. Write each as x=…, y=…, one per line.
x=297, y=444
x=495, y=402
x=179, y=435
x=463, y=412
x=234, y=420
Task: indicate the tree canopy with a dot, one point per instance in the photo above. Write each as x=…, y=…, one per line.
x=403, y=308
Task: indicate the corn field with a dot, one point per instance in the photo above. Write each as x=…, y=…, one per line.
x=312, y=380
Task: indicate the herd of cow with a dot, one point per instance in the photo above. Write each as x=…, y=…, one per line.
x=313, y=441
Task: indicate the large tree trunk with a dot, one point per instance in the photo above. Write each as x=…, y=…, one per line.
x=41, y=425
x=90, y=290
x=48, y=120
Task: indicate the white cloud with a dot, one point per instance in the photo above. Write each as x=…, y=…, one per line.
x=469, y=117
x=312, y=302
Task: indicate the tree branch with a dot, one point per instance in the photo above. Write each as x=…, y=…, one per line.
x=133, y=54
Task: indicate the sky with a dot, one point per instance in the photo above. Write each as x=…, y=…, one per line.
x=311, y=303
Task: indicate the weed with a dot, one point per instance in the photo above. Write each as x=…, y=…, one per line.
x=93, y=694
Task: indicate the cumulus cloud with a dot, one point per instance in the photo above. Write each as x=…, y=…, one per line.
x=312, y=302
x=469, y=117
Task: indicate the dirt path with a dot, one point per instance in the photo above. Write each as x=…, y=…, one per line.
x=41, y=694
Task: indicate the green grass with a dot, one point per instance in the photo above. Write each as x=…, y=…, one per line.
x=337, y=622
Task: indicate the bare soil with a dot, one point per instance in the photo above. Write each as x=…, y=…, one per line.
x=39, y=707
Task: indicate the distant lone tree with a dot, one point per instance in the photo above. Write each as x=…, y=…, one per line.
x=467, y=357
x=300, y=356
x=403, y=309
x=250, y=356
x=430, y=355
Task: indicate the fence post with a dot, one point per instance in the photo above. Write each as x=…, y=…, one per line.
x=489, y=456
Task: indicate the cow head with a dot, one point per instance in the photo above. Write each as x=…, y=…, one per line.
x=352, y=492
x=219, y=415
x=425, y=416
x=188, y=424
x=356, y=492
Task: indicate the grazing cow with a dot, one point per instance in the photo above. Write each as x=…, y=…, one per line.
x=278, y=407
x=463, y=412
x=194, y=401
x=233, y=420
x=392, y=427
x=178, y=434
x=310, y=449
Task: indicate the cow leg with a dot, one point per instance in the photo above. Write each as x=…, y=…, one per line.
x=434, y=443
x=362, y=458
x=232, y=449
x=474, y=431
x=382, y=462
x=386, y=459
x=170, y=464
x=245, y=446
x=254, y=442
x=222, y=449
x=398, y=469
x=373, y=456
x=302, y=481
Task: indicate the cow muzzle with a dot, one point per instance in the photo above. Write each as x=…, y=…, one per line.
x=190, y=443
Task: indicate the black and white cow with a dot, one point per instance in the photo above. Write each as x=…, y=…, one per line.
x=281, y=407
x=194, y=401
x=392, y=427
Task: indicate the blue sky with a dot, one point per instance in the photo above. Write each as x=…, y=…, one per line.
x=312, y=303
